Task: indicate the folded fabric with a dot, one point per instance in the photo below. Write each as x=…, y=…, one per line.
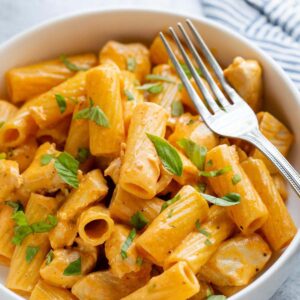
x=273, y=25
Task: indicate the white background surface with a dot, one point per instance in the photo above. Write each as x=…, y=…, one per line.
x=18, y=15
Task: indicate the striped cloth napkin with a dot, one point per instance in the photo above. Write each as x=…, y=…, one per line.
x=273, y=25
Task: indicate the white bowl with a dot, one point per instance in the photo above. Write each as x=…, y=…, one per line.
x=88, y=31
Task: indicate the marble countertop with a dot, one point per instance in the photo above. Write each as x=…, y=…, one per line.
x=18, y=15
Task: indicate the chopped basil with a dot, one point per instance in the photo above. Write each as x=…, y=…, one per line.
x=17, y=206
x=208, y=242
x=216, y=297
x=93, y=113
x=169, y=202
x=215, y=173
x=152, y=88
x=159, y=78
x=190, y=122
x=202, y=230
x=131, y=64
x=83, y=154
x=138, y=220
x=129, y=95
x=180, y=87
x=139, y=261
x=74, y=268
x=194, y=152
x=127, y=243
x=31, y=252
x=167, y=154
x=2, y=155
x=229, y=199
x=200, y=187
x=72, y=67
x=49, y=257
x=177, y=108
x=45, y=159
x=236, y=178
x=209, y=163
x=61, y=102
x=67, y=166
x=23, y=229
x=188, y=72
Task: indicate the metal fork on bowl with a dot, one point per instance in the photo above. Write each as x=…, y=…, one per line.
x=231, y=118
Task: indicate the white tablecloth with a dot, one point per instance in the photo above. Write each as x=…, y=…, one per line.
x=18, y=15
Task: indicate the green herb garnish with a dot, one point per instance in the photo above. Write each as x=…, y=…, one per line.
x=139, y=261
x=236, y=178
x=129, y=95
x=17, y=206
x=152, y=88
x=177, y=108
x=31, y=252
x=169, y=202
x=215, y=173
x=74, y=268
x=49, y=257
x=61, y=102
x=72, y=67
x=127, y=243
x=229, y=199
x=216, y=297
x=159, y=78
x=82, y=154
x=46, y=158
x=138, y=220
x=131, y=64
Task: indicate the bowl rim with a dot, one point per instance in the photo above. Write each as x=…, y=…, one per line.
x=294, y=246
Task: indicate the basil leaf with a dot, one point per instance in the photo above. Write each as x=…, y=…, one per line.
x=208, y=242
x=177, y=108
x=139, y=261
x=31, y=252
x=20, y=218
x=82, y=154
x=98, y=116
x=159, y=78
x=72, y=67
x=17, y=206
x=228, y=200
x=3, y=155
x=67, y=166
x=20, y=233
x=209, y=163
x=180, y=87
x=61, y=102
x=167, y=154
x=202, y=230
x=74, y=268
x=49, y=257
x=200, y=187
x=216, y=173
x=131, y=64
x=216, y=297
x=127, y=243
x=82, y=114
x=45, y=159
x=44, y=226
x=138, y=220
x=194, y=152
x=236, y=178
x=152, y=88
x=169, y=202
x=188, y=72
x=129, y=95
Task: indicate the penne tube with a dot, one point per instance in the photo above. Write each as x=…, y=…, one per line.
x=132, y=57
x=103, y=87
x=9, y=177
x=124, y=205
x=197, y=247
x=279, y=229
x=54, y=272
x=205, y=291
x=44, y=108
x=42, y=178
x=78, y=135
x=7, y=111
x=44, y=291
x=105, y=286
x=24, y=275
x=178, y=282
x=140, y=169
x=17, y=129
x=119, y=265
x=194, y=130
x=251, y=213
x=245, y=76
x=130, y=95
x=6, y=235
x=174, y=223
x=248, y=254
x=24, y=83
x=279, y=135
x=23, y=154
x=280, y=184
x=91, y=188
x=57, y=134
x=113, y=170
x=95, y=225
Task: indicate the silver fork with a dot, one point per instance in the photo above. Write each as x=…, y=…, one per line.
x=232, y=118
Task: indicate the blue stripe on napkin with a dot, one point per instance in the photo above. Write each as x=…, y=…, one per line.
x=273, y=25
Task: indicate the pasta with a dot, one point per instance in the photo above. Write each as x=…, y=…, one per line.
x=113, y=187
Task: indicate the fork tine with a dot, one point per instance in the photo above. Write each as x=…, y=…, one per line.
x=207, y=96
x=214, y=64
x=221, y=98
x=190, y=89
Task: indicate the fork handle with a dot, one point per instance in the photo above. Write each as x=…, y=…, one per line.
x=265, y=146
